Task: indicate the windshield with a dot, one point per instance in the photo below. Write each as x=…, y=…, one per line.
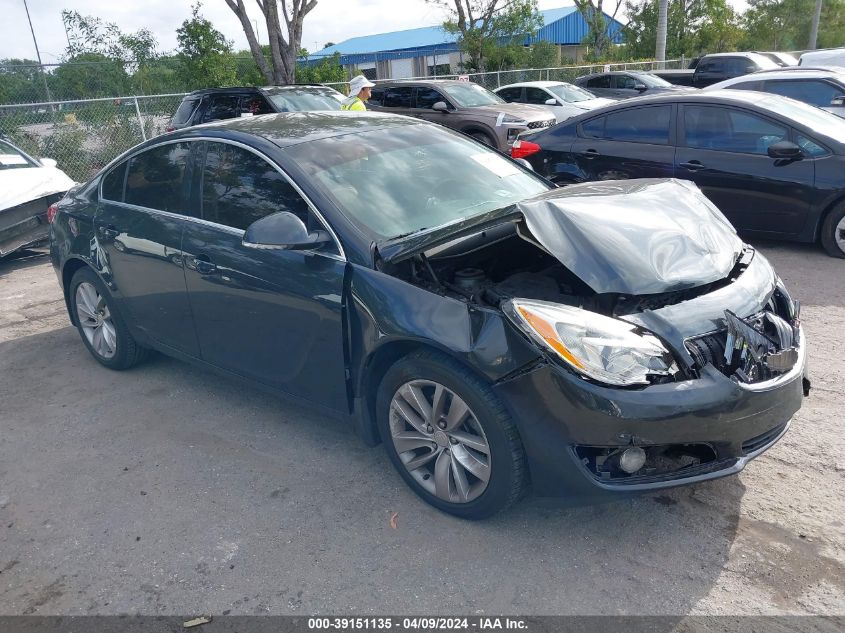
x=399, y=180
x=469, y=95
x=12, y=158
x=570, y=93
x=652, y=81
x=305, y=99
x=821, y=122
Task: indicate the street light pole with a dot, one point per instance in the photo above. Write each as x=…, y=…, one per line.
x=38, y=54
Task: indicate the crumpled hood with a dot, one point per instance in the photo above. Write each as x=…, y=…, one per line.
x=634, y=237
x=30, y=183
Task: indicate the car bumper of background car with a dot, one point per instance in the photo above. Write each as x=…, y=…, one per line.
x=690, y=431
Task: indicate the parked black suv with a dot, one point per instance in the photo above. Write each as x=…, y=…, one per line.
x=710, y=69
x=215, y=104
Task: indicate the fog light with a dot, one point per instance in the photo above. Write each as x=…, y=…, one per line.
x=632, y=459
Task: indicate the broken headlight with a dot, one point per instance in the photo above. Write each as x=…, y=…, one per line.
x=604, y=349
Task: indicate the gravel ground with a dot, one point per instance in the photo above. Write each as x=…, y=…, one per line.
x=167, y=490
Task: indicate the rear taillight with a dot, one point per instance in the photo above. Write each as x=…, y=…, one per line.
x=51, y=212
x=521, y=149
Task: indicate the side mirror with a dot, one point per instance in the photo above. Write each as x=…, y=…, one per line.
x=640, y=86
x=838, y=100
x=48, y=162
x=282, y=230
x=551, y=101
x=440, y=106
x=785, y=149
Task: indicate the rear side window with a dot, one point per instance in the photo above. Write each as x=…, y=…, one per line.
x=640, y=125
x=156, y=178
x=812, y=91
x=397, y=97
x=220, y=108
x=593, y=128
x=602, y=81
x=239, y=188
x=113, y=183
x=184, y=112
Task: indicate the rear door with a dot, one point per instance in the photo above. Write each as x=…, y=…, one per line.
x=600, y=85
x=724, y=151
x=145, y=205
x=627, y=143
x=271, y=315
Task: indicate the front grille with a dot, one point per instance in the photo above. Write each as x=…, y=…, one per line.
x=534, y=125
x=758, y=442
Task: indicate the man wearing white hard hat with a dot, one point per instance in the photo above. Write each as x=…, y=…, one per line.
x=359, y=91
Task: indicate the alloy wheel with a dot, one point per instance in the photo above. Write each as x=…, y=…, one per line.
x=440, y=441
x=95, y=320
x=839, y=234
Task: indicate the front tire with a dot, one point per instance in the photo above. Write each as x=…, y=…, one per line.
x=833, y=232
x=449, y=436
x=100, y=325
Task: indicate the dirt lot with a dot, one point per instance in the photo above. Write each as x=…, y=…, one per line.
x=166, y=490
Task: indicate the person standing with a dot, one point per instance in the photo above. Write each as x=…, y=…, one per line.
x=359, y=91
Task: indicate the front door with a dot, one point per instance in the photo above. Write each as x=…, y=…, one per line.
x=139, y=225
x=268, y=314
x=725, y=152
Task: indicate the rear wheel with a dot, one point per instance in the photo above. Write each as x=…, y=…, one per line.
x=833, y=232
x=100, y=325
x=450, y=437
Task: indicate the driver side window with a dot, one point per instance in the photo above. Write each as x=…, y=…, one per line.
x=239, y=187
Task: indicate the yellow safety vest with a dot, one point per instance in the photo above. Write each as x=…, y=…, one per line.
x=353, y=103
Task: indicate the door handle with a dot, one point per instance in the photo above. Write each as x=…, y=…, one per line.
x=203, y=265
x=109, y=231
x=692, y=165
x=590, y=153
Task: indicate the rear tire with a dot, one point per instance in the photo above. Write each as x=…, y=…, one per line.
x=100, y=325
x=464, y=455
x=833, y=232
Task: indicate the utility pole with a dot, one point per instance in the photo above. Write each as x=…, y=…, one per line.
x=660, y=49
x=38, y=54
x=814, y=28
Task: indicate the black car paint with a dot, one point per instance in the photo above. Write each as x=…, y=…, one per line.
x=759, y=194
x=357, y=320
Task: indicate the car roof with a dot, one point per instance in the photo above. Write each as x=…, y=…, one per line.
x=534, y=84
x=802, y=70
x=421, y=82
x=838, y=74
x=291, y=128
x=244, y=89
x=726, y=97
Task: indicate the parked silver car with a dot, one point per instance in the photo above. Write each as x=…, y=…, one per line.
x=564, y=100
x=462, y=106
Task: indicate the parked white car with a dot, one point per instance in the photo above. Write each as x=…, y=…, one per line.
x=28, y=186
x=824, y=57
x=565, y=100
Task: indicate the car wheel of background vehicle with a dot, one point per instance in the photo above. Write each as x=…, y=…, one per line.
x=450, y=437
x=833, y=232
x=484, y=138
x=100, y=325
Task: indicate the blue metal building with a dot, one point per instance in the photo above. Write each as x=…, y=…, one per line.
x=431, y=51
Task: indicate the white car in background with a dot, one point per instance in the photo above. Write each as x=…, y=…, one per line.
x=28, y=187
x=565, y=100
x=824, y=57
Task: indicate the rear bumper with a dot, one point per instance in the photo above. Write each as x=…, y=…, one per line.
x=557, y=412
x=24, y=225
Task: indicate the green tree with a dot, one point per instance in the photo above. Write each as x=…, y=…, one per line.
x=20, y=81
x=88, y=76
x=785, y=24
x=693, y=27
x=597, y=39
x=328, y=70
x=205, y=54
x=490, y=31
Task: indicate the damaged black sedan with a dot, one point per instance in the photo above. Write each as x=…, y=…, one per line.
x=494, y=333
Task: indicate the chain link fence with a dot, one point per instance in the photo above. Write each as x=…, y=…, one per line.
x=83, y=136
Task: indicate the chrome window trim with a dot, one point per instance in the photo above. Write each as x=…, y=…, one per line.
x=340, y=255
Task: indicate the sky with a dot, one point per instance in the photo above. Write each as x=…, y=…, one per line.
x=330, y=21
